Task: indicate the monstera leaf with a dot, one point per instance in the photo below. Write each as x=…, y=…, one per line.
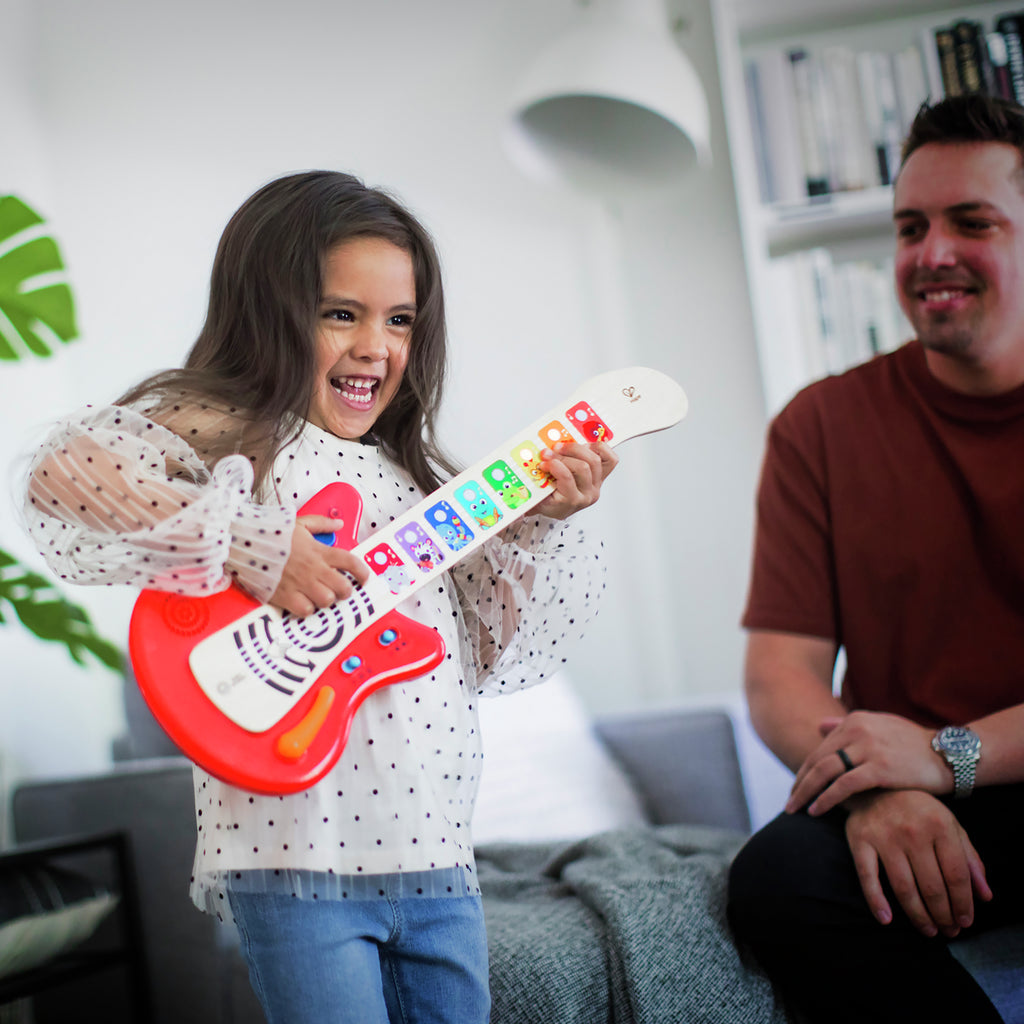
x=33, y=311
x=44, y=612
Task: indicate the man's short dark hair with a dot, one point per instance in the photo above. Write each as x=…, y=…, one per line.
x=971, y=118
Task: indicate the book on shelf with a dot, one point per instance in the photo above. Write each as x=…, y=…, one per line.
x=854, y=167
x=811, y=122
x=755, y=105
x=999, y=61
x=945, y=46
x=873, y=118
x=784, y=360
x=774, y=126
x=856, y=313
x=892, y=119
x=812, y=328
x=833, y=120
x=1009, y=27
x=826, y=317
x=912, y=86
x=972, y=62
x=933, y=69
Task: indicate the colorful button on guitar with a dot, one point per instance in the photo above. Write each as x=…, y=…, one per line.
x=421, y=549
x=478, y=505
x=384, y=562
x=506, y=484
x=448, y=525
x=553, y=433
x=527, y=456
x=588, y=423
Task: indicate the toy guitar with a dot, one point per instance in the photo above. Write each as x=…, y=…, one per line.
x=263, y=699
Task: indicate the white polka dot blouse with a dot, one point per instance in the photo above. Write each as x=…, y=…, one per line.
x=115, y=498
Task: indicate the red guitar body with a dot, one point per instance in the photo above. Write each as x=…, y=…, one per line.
x=307, y=742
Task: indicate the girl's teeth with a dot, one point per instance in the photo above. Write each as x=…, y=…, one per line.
x=353, y=390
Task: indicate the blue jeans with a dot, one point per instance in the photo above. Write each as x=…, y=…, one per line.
x=393, y=960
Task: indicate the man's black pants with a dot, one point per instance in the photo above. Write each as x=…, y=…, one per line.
x=796, y=903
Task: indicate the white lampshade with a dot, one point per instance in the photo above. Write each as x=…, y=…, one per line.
x=612, y=102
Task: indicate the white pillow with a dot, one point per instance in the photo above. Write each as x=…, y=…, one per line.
x=45, y=910
x=546, y=774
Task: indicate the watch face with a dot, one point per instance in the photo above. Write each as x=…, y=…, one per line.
x=955, y=739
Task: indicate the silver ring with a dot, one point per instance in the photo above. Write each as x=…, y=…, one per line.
x=845, y=758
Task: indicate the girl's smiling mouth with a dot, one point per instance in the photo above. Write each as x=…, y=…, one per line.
x=357, y=391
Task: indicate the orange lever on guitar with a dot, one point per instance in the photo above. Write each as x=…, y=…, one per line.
x=294, y=743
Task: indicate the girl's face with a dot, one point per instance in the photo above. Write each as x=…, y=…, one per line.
x=363, y=330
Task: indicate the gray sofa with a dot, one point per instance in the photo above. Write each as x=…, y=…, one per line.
x=683, y=764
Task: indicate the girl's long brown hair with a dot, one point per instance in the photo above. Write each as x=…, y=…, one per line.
x=254, y=358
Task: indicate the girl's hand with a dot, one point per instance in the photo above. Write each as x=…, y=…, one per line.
x=578, y=470
x=316, y=575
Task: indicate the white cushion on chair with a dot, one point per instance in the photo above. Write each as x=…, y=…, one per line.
x=546, y=774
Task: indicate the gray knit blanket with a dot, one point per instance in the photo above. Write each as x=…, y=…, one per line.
x=625, y=927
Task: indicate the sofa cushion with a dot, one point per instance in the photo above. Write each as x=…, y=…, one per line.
x=685, y=764
x=44, y=911
x=546, y=775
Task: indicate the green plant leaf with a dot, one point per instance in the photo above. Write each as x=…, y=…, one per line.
x=47, y=614
x=30, y=317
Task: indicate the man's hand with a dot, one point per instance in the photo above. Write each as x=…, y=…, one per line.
x=577, y=471
x=315, y=574
x=931, y=866
x=887, y=752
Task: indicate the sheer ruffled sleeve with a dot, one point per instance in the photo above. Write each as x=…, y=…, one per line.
x=524, y=595
x=114, y=497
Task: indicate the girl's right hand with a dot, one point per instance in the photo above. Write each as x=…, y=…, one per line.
x=316, y=575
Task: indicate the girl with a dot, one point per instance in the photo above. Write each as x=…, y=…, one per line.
x=322, y=358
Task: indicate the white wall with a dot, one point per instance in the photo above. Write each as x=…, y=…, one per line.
x=146, y=125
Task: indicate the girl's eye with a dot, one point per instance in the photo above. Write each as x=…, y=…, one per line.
x=401, y=320
x=337, y=314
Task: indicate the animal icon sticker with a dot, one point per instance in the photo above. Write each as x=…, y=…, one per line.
x=478, y=505
x=506, y=484
x=588, y=423
x=384, y=562
x=426, y=555
x=555, y=432
x=448, y=525
x=526, y=456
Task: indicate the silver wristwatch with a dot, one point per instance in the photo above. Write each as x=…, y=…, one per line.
x=960, y=748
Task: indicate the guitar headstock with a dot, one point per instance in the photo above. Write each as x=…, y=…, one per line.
x=632, y=401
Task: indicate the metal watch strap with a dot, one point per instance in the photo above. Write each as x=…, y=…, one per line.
x=963, y=773
x=949, y=743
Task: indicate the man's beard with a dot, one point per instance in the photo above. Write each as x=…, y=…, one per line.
x=941, y=335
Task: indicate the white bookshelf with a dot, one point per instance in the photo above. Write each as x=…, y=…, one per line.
x=842, y=232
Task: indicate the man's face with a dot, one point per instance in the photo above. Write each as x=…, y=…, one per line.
x=959, y=216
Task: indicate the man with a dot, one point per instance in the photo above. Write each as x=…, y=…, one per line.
x=891, y=524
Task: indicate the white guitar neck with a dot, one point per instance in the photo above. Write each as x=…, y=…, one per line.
x=502, y=487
